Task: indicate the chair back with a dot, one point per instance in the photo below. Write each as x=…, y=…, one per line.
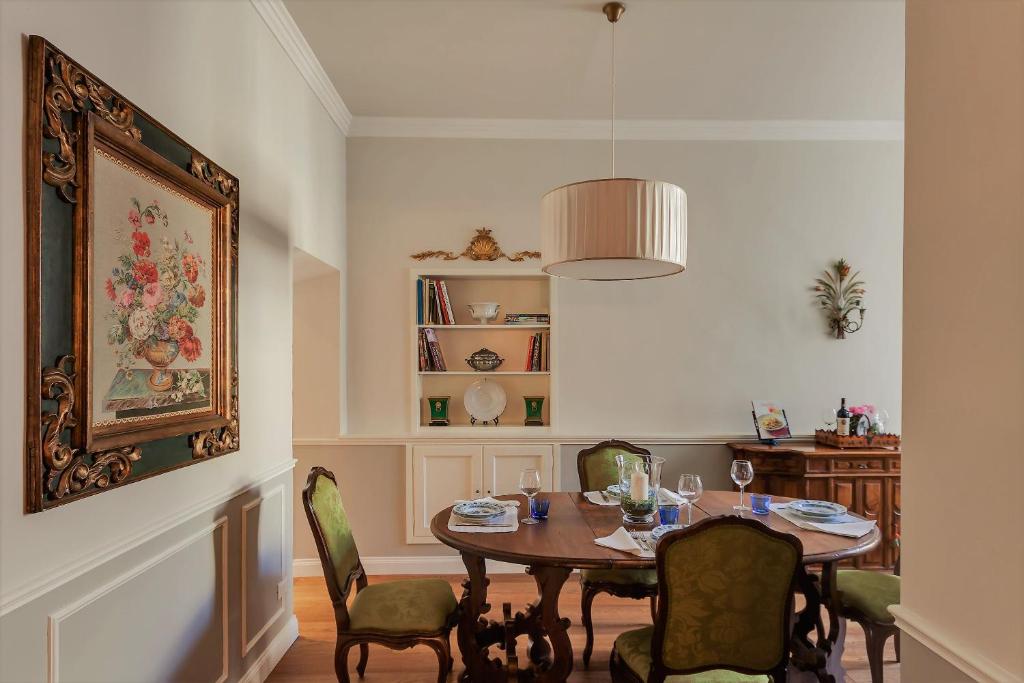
x=725, y=596
x=332, y=533
x=596, y=465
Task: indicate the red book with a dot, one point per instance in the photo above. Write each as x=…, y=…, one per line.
x=446, y=305
x=529, y=354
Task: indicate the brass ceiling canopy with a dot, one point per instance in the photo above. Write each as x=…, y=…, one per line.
x=614, y=11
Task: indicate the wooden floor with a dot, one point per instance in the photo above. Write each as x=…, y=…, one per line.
x=311, y=657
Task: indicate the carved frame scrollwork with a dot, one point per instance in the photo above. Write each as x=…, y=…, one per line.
x=482, y=247
x=61, y=99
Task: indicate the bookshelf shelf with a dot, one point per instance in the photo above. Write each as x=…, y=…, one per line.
x=516, y=290
x=496, y=326
x=485, y=374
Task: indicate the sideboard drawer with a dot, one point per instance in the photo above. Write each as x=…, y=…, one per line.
x=854, y=465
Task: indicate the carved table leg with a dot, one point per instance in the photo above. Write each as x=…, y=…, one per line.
x=479, y=667
x=549, y=586
x=820, y=660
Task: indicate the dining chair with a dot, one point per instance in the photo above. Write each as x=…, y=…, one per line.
x=725, y=596
x=597, y=470
x=396, y=614
x=865, y=597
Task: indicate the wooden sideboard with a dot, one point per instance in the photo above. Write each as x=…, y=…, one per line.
x=865, y=480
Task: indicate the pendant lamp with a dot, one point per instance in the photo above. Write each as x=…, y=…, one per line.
x=614, y=228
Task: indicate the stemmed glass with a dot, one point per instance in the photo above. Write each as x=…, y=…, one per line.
x=529, y=484
x=690, y=490
x=742, y=473
x=828, y=416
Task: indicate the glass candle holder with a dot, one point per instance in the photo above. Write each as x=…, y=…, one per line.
x=639, y=482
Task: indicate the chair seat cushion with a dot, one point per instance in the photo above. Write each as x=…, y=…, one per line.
x=870, y=593
x=634, y=648
x=407, y=606
x=647, y=577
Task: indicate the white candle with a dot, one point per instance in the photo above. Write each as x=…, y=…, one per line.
x=638, y=484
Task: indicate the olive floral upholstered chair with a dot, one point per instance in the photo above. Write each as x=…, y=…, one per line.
x=725, y=596
x=865, y=597
x=397, y=614
x=597, y=470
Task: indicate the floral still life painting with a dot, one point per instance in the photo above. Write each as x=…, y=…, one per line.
x=152, y=249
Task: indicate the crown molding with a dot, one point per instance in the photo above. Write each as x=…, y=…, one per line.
x=277, y=18
x=627, y=129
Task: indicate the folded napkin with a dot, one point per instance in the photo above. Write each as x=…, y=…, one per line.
x=596, y=498
x=621, y=540
x=846, y=525
x=496, y=525
x=666, y=497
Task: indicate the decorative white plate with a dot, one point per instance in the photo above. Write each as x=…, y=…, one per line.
x=614, y=491
x=663, y=529
x=474, y=510
x=817, y=509
x=485, y=400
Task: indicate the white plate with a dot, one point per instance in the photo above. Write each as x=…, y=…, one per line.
x=663, y=529
x=478, y=510
x=817, y=509
x=485, y=400
x=614, y=490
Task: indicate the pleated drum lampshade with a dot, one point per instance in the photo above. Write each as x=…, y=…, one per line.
x=614, y=229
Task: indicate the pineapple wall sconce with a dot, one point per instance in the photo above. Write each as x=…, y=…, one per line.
x=840, y=295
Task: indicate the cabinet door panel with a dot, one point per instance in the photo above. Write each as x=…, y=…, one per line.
x=502, y=465
x=441, y=475
x=873, y=506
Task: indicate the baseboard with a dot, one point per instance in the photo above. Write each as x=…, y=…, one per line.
x=959, y=654
x=408, y=565
x=269, y=658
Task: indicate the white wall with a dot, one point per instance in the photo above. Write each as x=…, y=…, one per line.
x=963, y=554
x=213, y=73
x=678, y=356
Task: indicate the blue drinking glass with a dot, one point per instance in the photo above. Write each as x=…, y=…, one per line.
x=759, y=503
x=669, y=514
x=539, y=507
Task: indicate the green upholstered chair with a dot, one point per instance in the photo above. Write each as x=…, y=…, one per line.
x=864, y=597
x=725, y=596
x=597, y=469
x=398, y=614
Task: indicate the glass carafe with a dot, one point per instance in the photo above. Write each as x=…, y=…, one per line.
x=639, y=483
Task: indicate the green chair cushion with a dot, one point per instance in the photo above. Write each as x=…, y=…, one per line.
x=634, y=648
x=337, y=532
x=647, y=577
x=870, y=593
x=406, y=606
x=600, y=469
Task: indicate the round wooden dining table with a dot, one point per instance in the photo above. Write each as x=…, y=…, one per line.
x=551, y=550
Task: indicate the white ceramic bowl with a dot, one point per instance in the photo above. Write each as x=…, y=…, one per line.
x=483, y=311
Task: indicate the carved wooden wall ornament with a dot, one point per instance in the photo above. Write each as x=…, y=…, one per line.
x=131, y=291
x=482, y=247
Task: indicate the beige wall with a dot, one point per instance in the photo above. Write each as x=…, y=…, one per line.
x=317, y=350
x=213, y=73
x=679, y=355
x=963, y=555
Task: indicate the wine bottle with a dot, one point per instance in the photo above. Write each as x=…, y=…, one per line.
x=843, y=420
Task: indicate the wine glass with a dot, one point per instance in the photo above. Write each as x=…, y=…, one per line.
x=881, y=420
x=742, y=473
x=529, y=484
x=828, y=416
x=690, y=490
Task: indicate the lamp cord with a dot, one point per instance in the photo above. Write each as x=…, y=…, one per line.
x=613, y=99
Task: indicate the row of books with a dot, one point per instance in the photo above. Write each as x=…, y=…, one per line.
x=431, y=356
x=538, y=356
x=433, y=305
x=527, y=318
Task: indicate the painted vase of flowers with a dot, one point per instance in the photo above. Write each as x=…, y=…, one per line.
x=155, y=297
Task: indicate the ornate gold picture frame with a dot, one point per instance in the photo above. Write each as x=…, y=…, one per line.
x=131, y=291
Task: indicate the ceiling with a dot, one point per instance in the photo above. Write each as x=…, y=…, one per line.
x=550, y=59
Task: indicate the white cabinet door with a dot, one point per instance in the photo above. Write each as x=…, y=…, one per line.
x=502, y=465
x=439, y=475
